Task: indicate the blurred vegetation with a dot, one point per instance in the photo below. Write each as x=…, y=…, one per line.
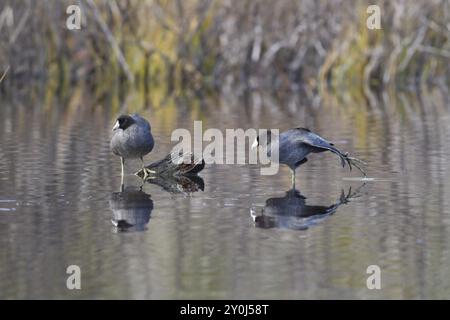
x=161, y=46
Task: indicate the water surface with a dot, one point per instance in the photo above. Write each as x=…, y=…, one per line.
x=60, y=203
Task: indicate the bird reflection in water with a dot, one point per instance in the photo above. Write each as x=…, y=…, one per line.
x=132, y=207
x=292, y=212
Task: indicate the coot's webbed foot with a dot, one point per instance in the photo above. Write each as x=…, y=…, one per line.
x=147, y=173
x=356, y=163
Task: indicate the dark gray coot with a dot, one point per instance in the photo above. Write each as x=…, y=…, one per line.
x=132, y=139
x=294, y=145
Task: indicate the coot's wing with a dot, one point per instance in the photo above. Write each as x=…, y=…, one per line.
x=310, y=138
x=142, y=122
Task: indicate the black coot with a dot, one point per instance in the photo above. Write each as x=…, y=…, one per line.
x=132, y=139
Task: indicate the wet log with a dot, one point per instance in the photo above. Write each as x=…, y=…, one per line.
x=172, y=166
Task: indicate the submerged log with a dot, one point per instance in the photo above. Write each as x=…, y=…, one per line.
x=172, y=166
x=181, y=184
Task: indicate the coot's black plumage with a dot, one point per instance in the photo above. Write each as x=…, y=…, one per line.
x=132, y=139
x=295, y=144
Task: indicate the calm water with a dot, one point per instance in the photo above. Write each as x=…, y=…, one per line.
x=59, y=197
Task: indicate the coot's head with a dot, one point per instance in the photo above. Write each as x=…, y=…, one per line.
x=123, y=122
